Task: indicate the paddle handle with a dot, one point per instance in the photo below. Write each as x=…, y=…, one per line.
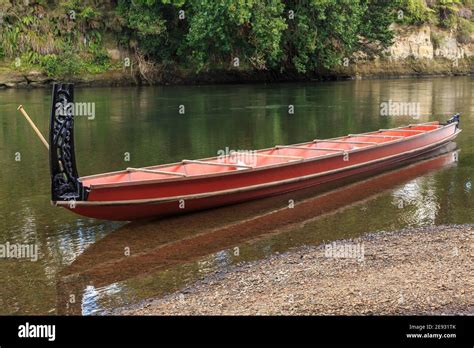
x=32, y=124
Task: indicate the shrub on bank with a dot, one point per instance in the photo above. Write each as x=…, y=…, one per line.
x=65, y=38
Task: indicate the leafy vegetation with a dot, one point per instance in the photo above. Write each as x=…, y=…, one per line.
x=63, y=40
x=67, y=38
x=466, y=29
x=444, y=13
x=414, y=12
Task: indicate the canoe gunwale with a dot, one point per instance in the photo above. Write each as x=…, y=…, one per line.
x=259, y=186
x=282, y=164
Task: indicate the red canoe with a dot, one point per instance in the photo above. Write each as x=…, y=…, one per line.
x=191, y=185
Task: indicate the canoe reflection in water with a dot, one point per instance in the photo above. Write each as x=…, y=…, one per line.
x=193, y=185
x=141, y=249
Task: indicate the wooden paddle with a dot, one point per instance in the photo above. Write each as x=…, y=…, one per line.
x=32, y=124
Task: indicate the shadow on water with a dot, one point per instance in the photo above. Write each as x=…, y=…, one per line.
x=143, y=259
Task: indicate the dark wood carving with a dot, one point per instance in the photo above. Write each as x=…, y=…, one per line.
x=65, y=183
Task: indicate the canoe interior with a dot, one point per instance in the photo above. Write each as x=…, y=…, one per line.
x=263, y=158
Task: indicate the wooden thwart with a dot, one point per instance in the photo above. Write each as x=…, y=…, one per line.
x=432, y=123
x=309, y=148
x=403, y=130
x=280, y=156
x=329, y=149
x=347, y=142
x=153, y=171
x=376, y=136
x=217, y=164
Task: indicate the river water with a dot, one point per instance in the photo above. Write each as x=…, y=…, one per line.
x=88, y=266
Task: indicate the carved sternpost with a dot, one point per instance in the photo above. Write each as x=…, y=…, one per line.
x=65, y=183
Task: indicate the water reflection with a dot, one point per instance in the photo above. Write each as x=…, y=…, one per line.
x=171, y=259
x=419, y=201
x=145, y=122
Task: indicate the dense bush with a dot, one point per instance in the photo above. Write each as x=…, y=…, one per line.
x=66, y=37
x=414, y=12
x=290, y=35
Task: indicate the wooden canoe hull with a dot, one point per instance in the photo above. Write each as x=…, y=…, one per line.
x=159, y=199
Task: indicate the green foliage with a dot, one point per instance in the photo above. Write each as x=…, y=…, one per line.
x=465, y=31
x=50, y=64
x=65, y=38
x=66, y=64
x=261, y=34
x=61, y=37
x=375, y=28
x=247, y=30
x=152, y=27
x=436, y=39
x=447, y=10
x=324, y=32
x=414, y=12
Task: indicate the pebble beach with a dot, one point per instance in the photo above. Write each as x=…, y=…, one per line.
x=415, y=271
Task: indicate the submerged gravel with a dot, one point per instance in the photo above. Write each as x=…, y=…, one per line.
x=412, y=271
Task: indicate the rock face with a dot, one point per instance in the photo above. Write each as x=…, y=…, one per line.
x=114, y=54
x=36, y=78
x=451, y=49
x=418, y=43
x=33, y=78
x=12, y=79
x=416, y=51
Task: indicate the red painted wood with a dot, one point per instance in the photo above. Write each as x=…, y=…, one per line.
x=243, y=178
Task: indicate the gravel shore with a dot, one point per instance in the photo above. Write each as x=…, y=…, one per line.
x=413, y=271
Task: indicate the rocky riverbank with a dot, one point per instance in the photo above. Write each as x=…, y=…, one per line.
x=378, y=69
x=417, y=51
x=10, y=78
x=413, y=271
